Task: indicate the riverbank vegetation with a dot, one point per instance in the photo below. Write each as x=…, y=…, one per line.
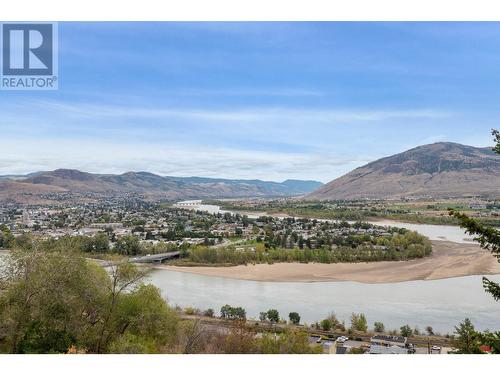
x=56, y=301
x=396, y=247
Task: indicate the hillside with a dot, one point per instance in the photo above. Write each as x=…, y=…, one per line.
x=42, y=187
x=439, y=170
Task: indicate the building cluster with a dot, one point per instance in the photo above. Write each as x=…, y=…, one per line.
x=157, y=222
x=378, y=344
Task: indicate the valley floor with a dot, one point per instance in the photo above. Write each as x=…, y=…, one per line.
x=448, y=260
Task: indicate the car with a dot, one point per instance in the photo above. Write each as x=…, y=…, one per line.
x=318, y=341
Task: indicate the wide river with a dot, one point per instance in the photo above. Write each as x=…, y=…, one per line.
x=438, y=303
x=441, y=304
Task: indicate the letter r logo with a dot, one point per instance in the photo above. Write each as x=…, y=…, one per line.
x=27, y=49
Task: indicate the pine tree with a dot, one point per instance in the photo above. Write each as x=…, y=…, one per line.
x=466, y=338
x=488, y=237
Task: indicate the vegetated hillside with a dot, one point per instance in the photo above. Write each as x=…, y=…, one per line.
x=439, y=170
x=149, y=185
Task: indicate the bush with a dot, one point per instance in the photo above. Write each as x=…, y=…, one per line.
x=379, y=327
x=358, y=322
x=69, y=306
x=233, y=313
x=209, y=312
x=191, y=311
x=326, y=325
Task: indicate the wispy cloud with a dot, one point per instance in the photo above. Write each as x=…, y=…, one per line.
x=169, y=159
x=258, y=142
x=254, y=114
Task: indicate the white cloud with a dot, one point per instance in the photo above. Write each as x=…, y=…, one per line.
x=168, y=159
x=256, y=114
x=266, y=143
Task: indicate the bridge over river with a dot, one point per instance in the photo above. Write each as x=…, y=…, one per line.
x=156, y=258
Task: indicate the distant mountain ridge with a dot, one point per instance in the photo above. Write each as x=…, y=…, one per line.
x=439, y=170
x=148, y=184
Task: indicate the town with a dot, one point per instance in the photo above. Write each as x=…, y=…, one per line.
x=136, y=227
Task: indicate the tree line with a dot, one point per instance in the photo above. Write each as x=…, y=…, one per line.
x=406, y=246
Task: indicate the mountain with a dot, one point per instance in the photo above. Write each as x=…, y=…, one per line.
x=41, y=187
x=439, y=170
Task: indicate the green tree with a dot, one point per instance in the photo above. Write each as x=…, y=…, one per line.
x=145, y=317
x=273, y=316
x=491, y=339
x=7, y=239
x=429, y=330
x=54, y=300
x=225, y=311
x=233, y=313
x=406, y=331
x=466, y=339
x=496, y=135
x=294, y=318
x=97, y=244
x=379, y=327
x=358, y=322
x=128, y=245
x=239, y=313
x=43, y=297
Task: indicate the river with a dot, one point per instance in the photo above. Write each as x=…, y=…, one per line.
x=441, y=304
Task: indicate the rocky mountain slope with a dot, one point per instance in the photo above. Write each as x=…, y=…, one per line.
x=439, y=170
x=42, y=186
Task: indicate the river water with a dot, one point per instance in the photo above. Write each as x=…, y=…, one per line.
x=441, y=304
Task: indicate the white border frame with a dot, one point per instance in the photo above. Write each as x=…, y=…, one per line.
x=256, y=10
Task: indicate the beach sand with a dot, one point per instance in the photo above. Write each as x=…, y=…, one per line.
x=448, y=259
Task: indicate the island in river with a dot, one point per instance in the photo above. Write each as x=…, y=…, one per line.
x=448, y=259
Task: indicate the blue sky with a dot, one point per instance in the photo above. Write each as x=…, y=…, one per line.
x=253, y=100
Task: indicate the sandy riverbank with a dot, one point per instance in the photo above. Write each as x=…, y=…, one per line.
x=449, y=259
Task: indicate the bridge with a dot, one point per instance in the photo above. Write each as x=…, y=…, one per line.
x=156, y=258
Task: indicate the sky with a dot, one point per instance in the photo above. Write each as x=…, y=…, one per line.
x=272, y=101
